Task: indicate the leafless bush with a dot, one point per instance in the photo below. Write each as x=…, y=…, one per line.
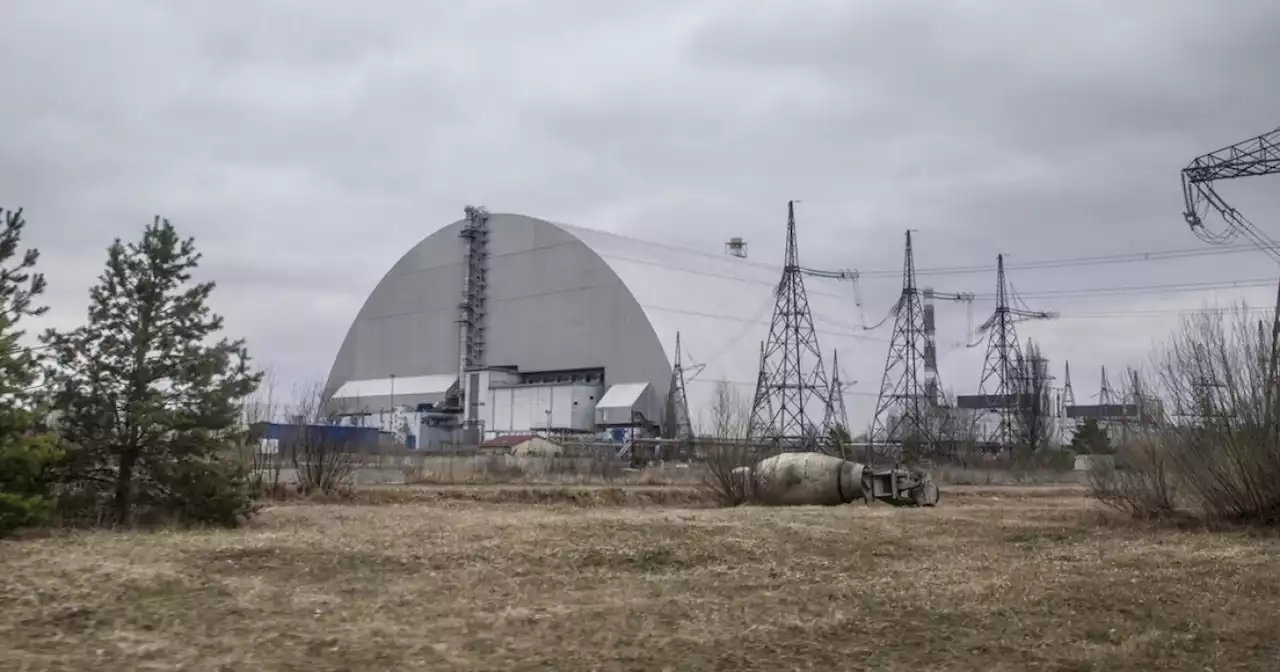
x=730, y=413
x=322, y=463
x=1206, y=434
x=1137, y=480
x=500, y=468
x=954, y=433
x=729, y=473
x=603, y=466
x=260, y=455
x=729, y=461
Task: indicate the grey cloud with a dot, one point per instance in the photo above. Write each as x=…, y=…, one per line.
x=308, y=144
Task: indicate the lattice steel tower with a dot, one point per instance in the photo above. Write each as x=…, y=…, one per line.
x=676, y=424
x=792, y=387
x=475, y=287
x=473, y=318
x=1105, y=393
x=906, y=404
x=1000, y=369
x=837, y=413
x=1068, y=395
x=1253, y=157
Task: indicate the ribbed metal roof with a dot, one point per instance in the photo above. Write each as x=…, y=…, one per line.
x=557, y=301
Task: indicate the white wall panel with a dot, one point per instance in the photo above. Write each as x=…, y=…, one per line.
x=562, y=407
x=501, y=405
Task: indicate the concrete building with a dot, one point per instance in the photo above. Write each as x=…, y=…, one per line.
x=503, y=323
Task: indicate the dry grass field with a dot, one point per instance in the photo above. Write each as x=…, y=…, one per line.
x=561, y=579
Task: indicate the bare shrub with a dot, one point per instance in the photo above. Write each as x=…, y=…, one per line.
x=730, y=413
x=260, y=455
x=1206, y=435
x=729, y=460
x=602, y=465
x=729, y=473
x=1137, y=480
x=954, y=432
x=499, y=468
x=323, y=463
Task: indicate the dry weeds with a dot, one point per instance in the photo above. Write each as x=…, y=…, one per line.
x=533, y=470
x=992, y=579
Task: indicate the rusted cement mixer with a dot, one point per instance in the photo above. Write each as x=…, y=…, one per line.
x=798, y=479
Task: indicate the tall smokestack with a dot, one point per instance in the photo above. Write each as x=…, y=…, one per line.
x=930, y=347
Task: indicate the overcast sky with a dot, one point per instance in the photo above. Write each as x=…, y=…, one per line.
x=307, y=144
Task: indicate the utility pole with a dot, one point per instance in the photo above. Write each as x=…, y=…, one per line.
x=1253, y=157
x=1104, y=392
x=1000, y=384
x=1068, y=395
x=1000, y=367
x=793, y=387
x=837, y=413
x=762, y=382
x=905, y=407
x=1137, y=398
x=676, y=422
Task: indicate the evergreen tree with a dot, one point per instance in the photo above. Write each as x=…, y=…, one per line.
x=150, y=405
x=1091, y=439
x=25, y=453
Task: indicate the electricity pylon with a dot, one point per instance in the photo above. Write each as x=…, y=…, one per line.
x=792, y=387
x=676, y=421
x=1000, y=385
x=1105, y=392
x=1251, y=158
x=1068, y=394
x=837, y=413
x=906, y=407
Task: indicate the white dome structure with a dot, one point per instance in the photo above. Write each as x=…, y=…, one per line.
x=574, y=329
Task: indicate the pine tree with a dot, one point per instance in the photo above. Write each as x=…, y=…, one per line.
x=25, y=453
x=1091, y=439
x=150, y=405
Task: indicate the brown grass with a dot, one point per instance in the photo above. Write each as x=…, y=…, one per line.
x=991, y=579
x=490, y=469
x=953, y=475
x=579, y=496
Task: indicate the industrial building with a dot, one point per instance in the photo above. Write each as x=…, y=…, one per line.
x=508, y=324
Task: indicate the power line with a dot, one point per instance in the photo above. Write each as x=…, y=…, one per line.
x=752, y=384
x=1143, y=289
x=732, y=340
x=1123, y=258
x=1160, y=311
x=1065, y=262
x=750, y=322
